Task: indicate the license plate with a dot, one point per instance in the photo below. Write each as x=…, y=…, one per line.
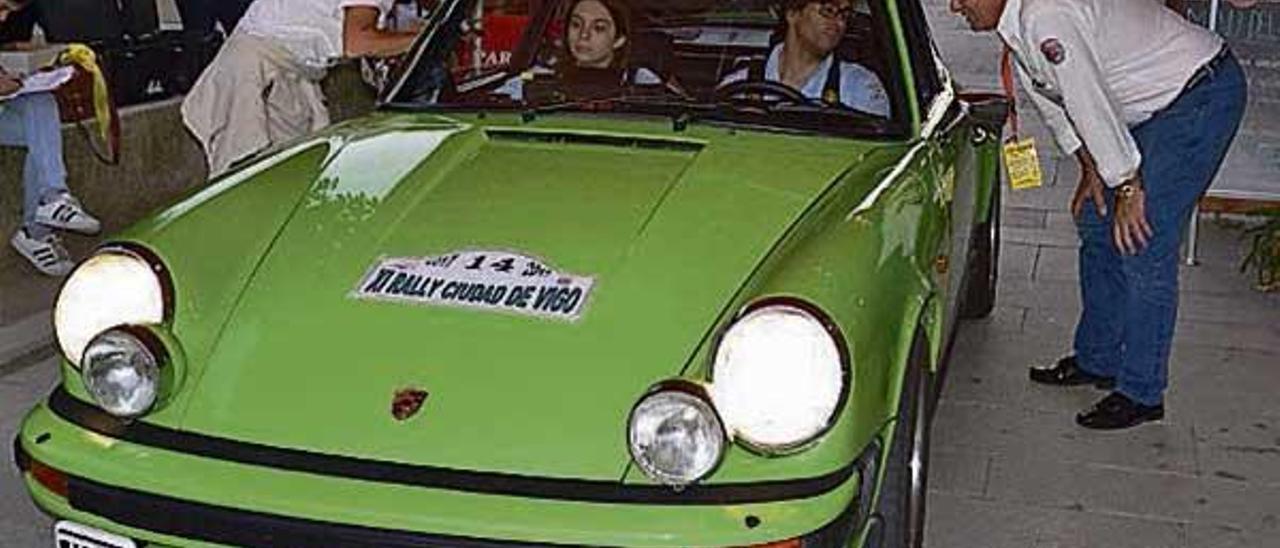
x=67, y=534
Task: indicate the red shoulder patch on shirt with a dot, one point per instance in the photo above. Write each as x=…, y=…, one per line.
x=1053, y=51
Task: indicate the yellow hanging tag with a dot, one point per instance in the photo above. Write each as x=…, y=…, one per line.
x=1022, y=163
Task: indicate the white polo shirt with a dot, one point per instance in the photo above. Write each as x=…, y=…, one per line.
x=860, y=88
x=1095, y=68
x=309, y=29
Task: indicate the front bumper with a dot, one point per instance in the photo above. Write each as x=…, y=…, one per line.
x=117, y=485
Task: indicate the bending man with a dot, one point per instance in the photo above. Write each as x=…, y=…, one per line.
x=1149, y=127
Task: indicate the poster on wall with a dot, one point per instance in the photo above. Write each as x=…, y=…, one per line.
x=1252, y=29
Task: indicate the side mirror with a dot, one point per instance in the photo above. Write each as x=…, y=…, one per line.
x=989, y=110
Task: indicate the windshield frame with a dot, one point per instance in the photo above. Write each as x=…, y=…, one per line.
x=445, y=26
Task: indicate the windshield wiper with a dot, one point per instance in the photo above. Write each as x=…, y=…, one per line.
x=820, y=108
x=680, y=111
x=811, y=115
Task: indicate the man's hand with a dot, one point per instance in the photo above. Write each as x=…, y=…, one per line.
x=9, y=7
x=1130, y=229
x=1089, y=187
x=9, y=83
x=361, y=36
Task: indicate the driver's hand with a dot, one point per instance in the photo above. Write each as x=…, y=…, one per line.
x=9, y=84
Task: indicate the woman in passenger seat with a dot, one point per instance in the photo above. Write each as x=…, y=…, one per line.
x=805, y=59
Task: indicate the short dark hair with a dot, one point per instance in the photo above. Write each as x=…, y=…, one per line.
x=789, y=5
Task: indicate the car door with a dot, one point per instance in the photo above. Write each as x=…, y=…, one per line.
x=948, y=130
x=962, y=130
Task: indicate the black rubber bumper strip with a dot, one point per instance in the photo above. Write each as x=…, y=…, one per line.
x=20, y=457
x=236, y=527
x=492, y=483
x=233, y=526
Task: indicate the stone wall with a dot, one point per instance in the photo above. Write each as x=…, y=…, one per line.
x=1252, y=169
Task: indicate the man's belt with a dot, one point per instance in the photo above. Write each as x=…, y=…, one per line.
x=1208, y=69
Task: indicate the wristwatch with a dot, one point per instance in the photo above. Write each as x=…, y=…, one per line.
x=1128, y=189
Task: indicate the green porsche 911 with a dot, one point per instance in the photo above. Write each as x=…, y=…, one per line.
x=597, y=273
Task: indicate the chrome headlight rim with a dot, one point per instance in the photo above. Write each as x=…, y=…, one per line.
x=133, y=251
x=846, y=372
x=142, y=253
x=697, y=392
x=156, y=351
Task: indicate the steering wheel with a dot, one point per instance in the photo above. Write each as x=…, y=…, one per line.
x=764, y=88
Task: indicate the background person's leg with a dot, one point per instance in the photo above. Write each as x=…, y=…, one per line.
x=19, y=26
x=19, y=127
x=1100, y=329
x=32, y=122
x=197, y=16
x=229, y=12
x=294, y=107
x=1182, y=148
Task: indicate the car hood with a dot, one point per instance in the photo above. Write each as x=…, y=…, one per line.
x=664, y=231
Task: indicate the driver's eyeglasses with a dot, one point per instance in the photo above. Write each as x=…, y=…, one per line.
x=832, y=10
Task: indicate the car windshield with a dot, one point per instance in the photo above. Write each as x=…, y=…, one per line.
x=806, y=65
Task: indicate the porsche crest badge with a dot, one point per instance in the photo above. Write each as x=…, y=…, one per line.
x=407, y=402
x=1053, y=51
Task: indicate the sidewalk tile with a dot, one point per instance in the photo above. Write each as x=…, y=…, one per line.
x=1093, y=488
x=1024, y=217
x=1038, y=237
x=956, y=521
x=1251, y=509
x=1032, y=435
x=1075, y=529
x=958, y=472
x=1017, y=260
x=1208, y=535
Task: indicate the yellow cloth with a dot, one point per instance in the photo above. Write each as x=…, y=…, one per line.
x=83, y=57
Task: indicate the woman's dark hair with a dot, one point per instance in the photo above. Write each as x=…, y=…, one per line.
x=620, y=12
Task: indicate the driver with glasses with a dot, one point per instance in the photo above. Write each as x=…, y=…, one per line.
x=805, y=60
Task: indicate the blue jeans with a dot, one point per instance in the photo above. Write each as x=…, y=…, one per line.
x=1130, y=303
x=32, y=122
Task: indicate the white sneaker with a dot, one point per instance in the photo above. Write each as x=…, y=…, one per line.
x=66, y=213
x=46, y=254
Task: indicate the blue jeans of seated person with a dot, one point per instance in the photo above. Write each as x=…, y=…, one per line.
x=1130, y=303
x=32, y=122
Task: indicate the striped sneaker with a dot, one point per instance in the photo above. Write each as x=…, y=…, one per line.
x=66, y=213
x=46, y=254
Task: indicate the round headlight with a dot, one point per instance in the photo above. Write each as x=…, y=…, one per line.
x=675, y=437
x=121, y=373
x=113, y=287
x=778, y=377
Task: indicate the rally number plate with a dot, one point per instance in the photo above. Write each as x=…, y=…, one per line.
x=67, y=534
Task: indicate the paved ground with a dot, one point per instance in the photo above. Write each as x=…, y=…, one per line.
x=1009, y=467
x=23, y=381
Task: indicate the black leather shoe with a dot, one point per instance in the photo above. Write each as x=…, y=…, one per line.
x=1067, y=372
x=1117, y=411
